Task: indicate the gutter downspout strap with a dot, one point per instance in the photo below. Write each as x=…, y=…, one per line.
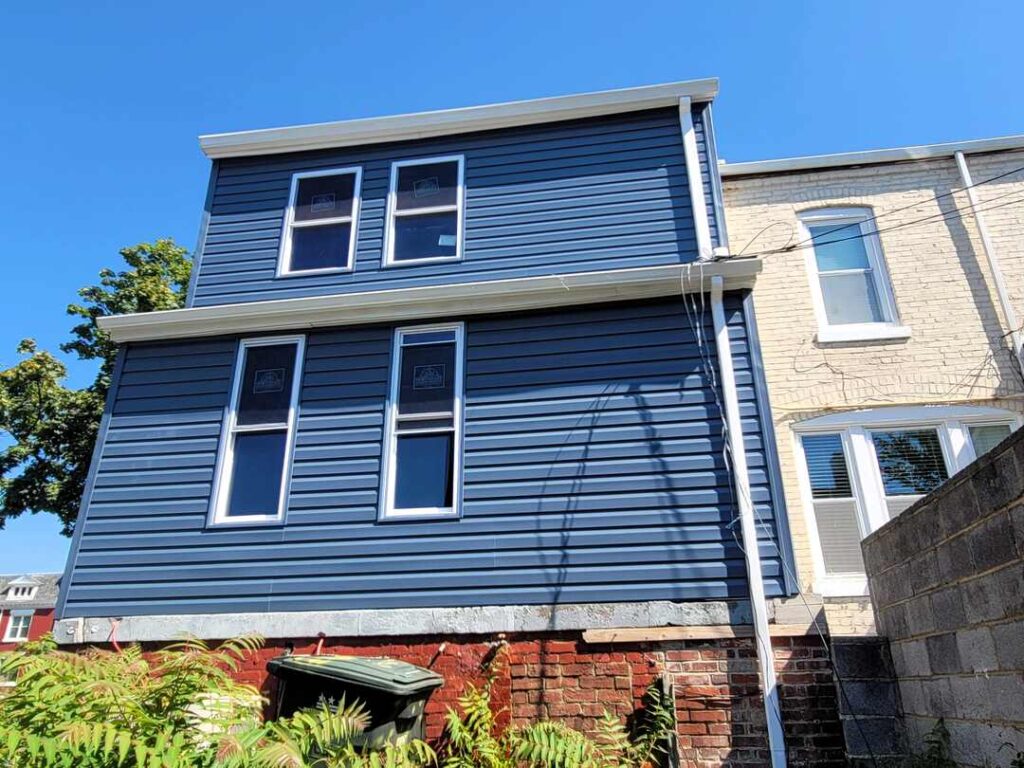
x=737, y=452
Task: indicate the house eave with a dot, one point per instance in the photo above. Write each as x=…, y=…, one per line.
x=422, y=125
x=447, y=300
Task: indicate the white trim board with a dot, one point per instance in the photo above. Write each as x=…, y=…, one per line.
x=422, y=125
x=431, y=301
x=871, y=156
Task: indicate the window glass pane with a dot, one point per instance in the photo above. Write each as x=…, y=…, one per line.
x=910, y=460
x=839, y=534
x=985, y=437
x=266, y=388
x=256, y=474
x=424, y=186
x=324, y=197
x=321, y=247
x=826, y=466
x=832, y=251
x=430, y=236
x=427, y=382
x=423, y=476
x=850, y=298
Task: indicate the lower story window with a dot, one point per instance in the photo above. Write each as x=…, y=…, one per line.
x=18, y=626
x=863, y=469
x=423, y=444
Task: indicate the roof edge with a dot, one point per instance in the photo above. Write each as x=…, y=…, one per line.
x=871, y=156
x=419, y=125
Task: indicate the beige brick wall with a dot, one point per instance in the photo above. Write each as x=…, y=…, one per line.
x=943, y=289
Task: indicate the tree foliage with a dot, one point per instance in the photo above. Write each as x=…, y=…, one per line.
x=53, y=427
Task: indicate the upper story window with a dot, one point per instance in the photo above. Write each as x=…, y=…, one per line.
x=425, y=211
x=423, y=451
x=320, y=224
x=21, y=592
x=850, y=286
x=18, y=625
x=864, y=468
x=256, y=446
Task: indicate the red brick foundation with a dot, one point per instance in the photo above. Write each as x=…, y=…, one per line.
x=558, y=676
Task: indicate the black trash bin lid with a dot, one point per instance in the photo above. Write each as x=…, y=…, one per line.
x=391, y=675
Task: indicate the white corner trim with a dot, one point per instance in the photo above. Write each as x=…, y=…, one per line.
x=862, y=332
x=451, y=121
x=868, y=157
x=696, y=182
x=399, y=304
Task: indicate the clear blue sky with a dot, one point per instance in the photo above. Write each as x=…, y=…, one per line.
x=101, y=103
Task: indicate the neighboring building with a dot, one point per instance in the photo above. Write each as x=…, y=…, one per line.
x=458, y=374
x=26, y=607
x=888, y=352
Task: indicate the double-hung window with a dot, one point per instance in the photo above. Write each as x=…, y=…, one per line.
x=425, y=211
x=864, y=468
x=423, y=445
x=850, y=286
x=320, y=223
x=18, y=624
x=256, y=447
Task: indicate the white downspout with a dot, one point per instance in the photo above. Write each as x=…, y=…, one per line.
x=748, y=527
x=993, y=261
x=705, y=251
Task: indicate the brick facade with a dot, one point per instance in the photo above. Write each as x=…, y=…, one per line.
x=956, y=354
x=721, y=720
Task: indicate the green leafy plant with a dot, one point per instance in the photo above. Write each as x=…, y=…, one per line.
x=936, y=753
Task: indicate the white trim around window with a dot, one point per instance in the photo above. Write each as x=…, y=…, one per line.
x=405, y=338
x=851, y=223
x=284, y=268
x=230, y=430
x=952, y=425
x=21, y=592
x=24, y=626
x=458, y=207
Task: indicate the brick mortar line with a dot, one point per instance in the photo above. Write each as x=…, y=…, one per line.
x=953, y=584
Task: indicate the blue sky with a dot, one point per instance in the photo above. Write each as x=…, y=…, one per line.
x=101, y=103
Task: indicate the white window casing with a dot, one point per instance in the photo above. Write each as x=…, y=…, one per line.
x=230, y=430
x=850, y=224
x=953, y=426
x=398, y=425
x=284, y=259
x=21, y=592
x=393, y=211
x=18, y=625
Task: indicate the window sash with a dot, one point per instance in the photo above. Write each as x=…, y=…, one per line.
x=284, y=267
x=393, y=212
x=221, y=494
x=406, y=425
x=18, y=626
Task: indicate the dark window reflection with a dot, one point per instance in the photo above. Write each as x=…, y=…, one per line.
x=424, y=472
x=910, y=460
x=429, y=236
x=256, y=474
x=321, y=247
x=428, y=379
x=266, y=386
x=324, y=197
x=426, y=186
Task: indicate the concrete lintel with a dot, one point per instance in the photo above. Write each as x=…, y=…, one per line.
x=404, y=622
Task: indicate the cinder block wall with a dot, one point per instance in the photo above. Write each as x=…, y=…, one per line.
x=956, y=353
x=947, y=583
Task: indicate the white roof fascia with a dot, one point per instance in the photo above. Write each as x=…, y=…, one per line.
x=873, y=156
x=421, y=125
x=485, y=297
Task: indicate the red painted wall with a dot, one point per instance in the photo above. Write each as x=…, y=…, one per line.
x=42, y=622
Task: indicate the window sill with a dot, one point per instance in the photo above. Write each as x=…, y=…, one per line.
x=853, y=585
x=392, y=516
x=417, y=262
x=315, y=272
x=839, y=334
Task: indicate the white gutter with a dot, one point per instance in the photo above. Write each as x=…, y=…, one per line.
x=748, y=527
x=899, y=154
x=695, y=181
x=993, y=261
x=448, y=300
x=421, y=125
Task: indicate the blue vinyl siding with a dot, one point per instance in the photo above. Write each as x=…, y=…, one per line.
x=593, y=472
x=595, y=194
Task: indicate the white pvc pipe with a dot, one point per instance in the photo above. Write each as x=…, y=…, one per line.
x=993, y=261
x=748, y=527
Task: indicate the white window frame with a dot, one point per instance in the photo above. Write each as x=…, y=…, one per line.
x=14, y=592
x=220, y=494
x=290, y=224
x=9, y=637
x=855, y=429
x=459, y=206
x=890, y=327
x=387, y=511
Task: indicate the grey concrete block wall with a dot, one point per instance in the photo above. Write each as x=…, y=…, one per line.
x=947, y=584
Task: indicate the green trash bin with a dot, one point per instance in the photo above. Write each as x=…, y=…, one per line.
x=394, y=692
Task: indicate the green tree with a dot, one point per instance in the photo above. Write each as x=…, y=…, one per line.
x=52, y=427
